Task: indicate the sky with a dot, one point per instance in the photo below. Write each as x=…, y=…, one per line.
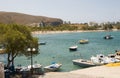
x=75, y=11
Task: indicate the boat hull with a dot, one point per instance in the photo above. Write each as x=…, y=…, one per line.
x=42, y=43
x=52, y=68
x=83, y=41
x=73, y=48
x=82, y=63
x=108, y=37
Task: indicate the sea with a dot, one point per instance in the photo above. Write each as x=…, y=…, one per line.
x=57, y=50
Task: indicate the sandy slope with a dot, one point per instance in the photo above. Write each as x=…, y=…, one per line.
x=100, y=72
x=92, y=72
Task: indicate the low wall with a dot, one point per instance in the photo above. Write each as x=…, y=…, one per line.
x=1, y=70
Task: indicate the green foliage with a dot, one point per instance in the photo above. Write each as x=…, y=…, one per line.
x=16, y=39
x=72, y=27
x=117, y=25
x=55, y=28
x=86, y=27
x=107, y=27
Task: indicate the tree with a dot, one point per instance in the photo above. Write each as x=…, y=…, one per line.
x=107, y=27
x=16, y=39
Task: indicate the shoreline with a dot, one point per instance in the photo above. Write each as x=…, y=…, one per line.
x=67, y=31
x=55, y=32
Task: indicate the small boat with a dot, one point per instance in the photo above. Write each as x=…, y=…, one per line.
x=37, y=69
x=52, y=67
x=97, y=60
x=2, y=49
x=42, y=43
x=73, y=48
x=117, y=55
x=84, y=41
x=83, y=63
x=34, y=66
x=108, y=37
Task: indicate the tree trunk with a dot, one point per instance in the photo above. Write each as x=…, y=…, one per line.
x=8, y=58
x=11, y=58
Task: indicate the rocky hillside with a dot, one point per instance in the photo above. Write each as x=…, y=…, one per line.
x=25, y=19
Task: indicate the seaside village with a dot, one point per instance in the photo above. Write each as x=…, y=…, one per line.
x=106, y=66
x=100, y=63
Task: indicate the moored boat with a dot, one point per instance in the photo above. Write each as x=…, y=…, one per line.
x=35, y=66
x=52, y=67
x=73, y=48
x=97, y=60
x=83, y=41
x=37, y=69
x=117, y=55
x=42, y=43
x=83, y=63
x=108, y=37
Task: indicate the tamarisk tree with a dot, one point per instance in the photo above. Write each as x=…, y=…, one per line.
x=16, y=39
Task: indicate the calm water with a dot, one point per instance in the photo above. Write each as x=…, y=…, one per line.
x=57, y=48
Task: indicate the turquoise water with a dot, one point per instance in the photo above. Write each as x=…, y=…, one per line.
x=57, y=48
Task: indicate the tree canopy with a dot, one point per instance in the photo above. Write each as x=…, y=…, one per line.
x=16, y=39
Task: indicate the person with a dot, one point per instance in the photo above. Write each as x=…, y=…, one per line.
x=116, y=50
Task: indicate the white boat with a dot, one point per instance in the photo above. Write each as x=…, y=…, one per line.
x=52, y=67
x=83, y=41
x=35, y=66
x=108, y=37
x=117, y=55
x=42, y=43
x=73, y=48
x=36, y=69
x=83, y=63
x=99, y=59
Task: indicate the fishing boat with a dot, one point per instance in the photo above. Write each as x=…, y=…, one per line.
x=34, y=66
x=83, y=41
x=102, y=59
x=83, y=63
x=42, y=43
x=37, y=69
x=73, y=48
x=117, y=55
x=52, y=67
x=97, y=60
x=108, y=37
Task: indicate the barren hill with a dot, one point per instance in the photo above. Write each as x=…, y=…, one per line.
x=25, y=19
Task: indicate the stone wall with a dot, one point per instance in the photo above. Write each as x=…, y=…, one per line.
x=1, y=70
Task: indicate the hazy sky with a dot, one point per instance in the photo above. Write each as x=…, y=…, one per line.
x=77, y=11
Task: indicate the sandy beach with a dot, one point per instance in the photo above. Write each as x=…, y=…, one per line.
x=54, y=32
x=92, y=72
